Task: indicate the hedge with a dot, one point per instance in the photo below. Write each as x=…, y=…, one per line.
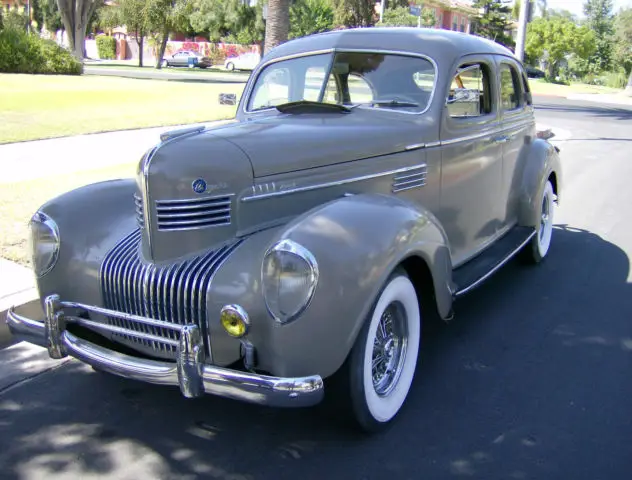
x=21, y=52
x=106, y=46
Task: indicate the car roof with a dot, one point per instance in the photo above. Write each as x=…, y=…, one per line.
x=436, y=43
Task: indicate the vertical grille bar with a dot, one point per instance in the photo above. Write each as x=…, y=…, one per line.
x=173, y=293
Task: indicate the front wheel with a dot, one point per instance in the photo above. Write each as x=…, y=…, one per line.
x=383, y=359
x=538, y=248
x=230, y=66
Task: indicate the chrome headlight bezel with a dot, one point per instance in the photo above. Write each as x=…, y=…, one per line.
x=292, y=251
x=42, y=227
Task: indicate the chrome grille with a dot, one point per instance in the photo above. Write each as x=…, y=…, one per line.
x=409, y=179
x=140, y=219
x=193, y=213
x=173, y=293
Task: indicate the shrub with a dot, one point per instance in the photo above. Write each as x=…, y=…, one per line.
x=106, y=46
x=615, y=79
x=21, y=52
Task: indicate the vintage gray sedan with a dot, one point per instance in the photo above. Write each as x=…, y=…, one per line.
x=369, y=179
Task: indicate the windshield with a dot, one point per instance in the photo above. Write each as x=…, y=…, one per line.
x=372, y=80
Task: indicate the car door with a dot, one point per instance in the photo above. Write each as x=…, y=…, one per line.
x=471, y=158
x=518, y=124
x=181, y=58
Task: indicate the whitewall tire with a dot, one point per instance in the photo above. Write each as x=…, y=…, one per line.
x=384, y=357
x=539, y=246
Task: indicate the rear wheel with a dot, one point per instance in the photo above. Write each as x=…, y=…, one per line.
x=382, y=361
x=230, y=66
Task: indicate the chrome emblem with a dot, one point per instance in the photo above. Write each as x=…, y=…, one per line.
x=199, y=185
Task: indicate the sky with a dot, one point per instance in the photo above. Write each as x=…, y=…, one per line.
x=577, y=6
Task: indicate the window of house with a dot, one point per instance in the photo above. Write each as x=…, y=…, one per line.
x=469, y=94
x=510, y=88
x=462, y=24
x=454, y=22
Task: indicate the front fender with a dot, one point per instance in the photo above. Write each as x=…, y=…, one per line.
x=542, y=161
x=91, y=220
x=357, y=242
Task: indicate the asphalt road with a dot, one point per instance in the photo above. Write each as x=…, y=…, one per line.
x=171, y=73
x=532, y=380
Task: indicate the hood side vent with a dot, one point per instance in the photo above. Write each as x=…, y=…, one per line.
x=193, y=213
x=140, y=219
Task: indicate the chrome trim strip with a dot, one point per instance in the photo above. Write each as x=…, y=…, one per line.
x=255, y=74
x=415, y=146
x=421, y=181
x=495, y=269
x=398, y=189
x=493, y=131
x=189, y=371
x=433, y=144
x=144, y=190
x=123, y=315
x=308, y=188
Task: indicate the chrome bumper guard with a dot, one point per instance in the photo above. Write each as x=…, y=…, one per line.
x=189, y=372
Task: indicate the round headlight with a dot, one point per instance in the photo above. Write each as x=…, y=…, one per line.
x=289, y=276
x=44, y=242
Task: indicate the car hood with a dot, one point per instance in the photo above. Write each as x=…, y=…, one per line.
x=289, y=142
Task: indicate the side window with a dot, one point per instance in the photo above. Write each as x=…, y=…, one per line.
x=510, y=89
x=525, y=85
x=314, y=78
x=359, y=89
x=469, y=92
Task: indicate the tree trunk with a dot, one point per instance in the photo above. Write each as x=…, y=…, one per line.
x=277, y=23
x=75, y=15
x=140, y=37
x=163, y=47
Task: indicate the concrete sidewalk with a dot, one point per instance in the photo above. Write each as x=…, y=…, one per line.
x=17, y=287
x=57, y=156
x=603, y=98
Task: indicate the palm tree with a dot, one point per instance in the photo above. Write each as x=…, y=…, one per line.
x=277, y=23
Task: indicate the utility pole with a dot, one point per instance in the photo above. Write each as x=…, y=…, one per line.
x=522, y=29
x=382, y=8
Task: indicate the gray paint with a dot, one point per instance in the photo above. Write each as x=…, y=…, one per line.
x=325, y=181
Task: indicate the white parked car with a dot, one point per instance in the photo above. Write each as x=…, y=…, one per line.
x=245, y=61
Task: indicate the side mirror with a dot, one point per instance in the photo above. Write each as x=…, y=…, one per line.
x=227, y=99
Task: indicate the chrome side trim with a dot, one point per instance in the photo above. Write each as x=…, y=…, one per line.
x=493, y=131
x=144, y=191
x=415, y=146
x=189, y=372
x=409, y=181
x=307, y=188
x=261, y=67
x=178, y=133
x=495, y=269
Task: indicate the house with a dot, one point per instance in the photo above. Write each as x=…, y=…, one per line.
x=449, y=14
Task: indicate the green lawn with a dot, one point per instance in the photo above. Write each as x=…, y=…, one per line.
x=45, y=106
x=540, y=87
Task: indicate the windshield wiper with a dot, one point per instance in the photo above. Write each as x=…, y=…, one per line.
x=308, y=106
x=395, y=103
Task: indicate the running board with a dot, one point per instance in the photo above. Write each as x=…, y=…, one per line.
x=484, y=265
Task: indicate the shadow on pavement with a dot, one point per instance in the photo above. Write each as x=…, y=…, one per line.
x=531, y=380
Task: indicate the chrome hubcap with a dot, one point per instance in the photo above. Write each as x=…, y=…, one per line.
x=545, y=218
x=389, y=349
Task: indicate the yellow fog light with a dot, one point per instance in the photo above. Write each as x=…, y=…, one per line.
x=234, y=320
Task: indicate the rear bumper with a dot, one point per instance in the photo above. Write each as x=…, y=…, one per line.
x=189, y=372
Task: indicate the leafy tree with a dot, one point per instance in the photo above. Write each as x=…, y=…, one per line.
x=493, y=21
x=355, y=13
x=76, y=15
x=164, y=16
x=623, y=40
x=401, y=17
x=310, y=16
x=277, y=23
x=230, y=20
x=558, y=37
x=132, y=14
x=15, y=19
x=599, y=19
x=50, y=15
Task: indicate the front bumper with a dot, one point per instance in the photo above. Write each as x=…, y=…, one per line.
x=189, y=372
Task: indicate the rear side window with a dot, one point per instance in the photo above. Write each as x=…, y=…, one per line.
x=510, y=88
x=469, y=94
